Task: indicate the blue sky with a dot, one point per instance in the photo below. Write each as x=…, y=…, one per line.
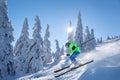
x=101, y=15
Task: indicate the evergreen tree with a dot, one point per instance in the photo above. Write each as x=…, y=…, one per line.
x=93, y=41
x=22, y=42
x=6, y=39
x=86, y=38
x=36, y=52
x=21, y=48
x=98, y=41
x=79, y=32
x=62, y=50
x=47, y=46
x=70, y=33
x=101, y=40
x=108, y=38
x=37, y=30
x=57, y=53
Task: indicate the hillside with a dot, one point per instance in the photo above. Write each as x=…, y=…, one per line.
x=106, y=65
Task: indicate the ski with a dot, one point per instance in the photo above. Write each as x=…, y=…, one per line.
x=62, y=69
x=74, y=68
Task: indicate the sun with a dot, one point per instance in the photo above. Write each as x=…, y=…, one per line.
x=69, y=29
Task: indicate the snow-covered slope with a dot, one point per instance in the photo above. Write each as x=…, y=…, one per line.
x=106, y=65
x=106, y=69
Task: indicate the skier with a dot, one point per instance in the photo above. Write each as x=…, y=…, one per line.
x=74, y=51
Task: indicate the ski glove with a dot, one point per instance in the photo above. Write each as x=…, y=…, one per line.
x=68, y=54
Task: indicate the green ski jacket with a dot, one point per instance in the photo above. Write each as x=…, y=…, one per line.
x=73, y=48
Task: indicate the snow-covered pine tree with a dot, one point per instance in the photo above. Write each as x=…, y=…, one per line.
x=101, y=40
x=112, y=37
x=70, y=32
x=37, y=30
x=21, y=48
x=6, y=39
x=79, y=32
x=84, y=36
x=36, y=51
x=57, y=55
x=62, y=50
x=47, y=47
x=98, y=41
x=23, y=39
x=108, y=38
x=87, y=37
x=92, y=40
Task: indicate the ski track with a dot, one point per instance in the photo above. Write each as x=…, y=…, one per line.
x=103, y=51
